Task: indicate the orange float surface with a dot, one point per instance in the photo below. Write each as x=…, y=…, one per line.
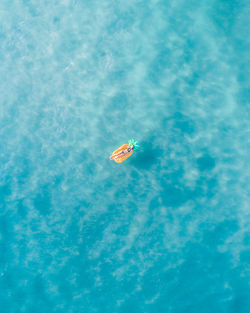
x=117, y=155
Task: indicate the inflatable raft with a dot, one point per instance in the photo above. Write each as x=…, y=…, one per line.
x=124, y=151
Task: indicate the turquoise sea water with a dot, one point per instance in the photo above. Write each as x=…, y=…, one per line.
x=168, y=229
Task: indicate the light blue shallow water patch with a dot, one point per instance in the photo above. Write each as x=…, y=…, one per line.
x=168, y=229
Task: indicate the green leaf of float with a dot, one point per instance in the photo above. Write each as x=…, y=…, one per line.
x=134, y=143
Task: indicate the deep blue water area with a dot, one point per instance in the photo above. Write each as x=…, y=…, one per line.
x=167, y=230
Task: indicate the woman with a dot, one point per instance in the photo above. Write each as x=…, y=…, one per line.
x=125, y=150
